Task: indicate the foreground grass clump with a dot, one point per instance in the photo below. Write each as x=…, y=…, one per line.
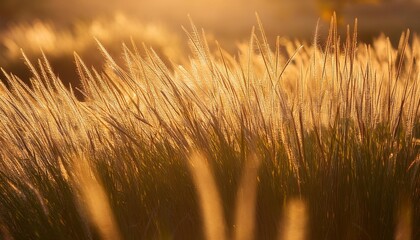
x=318, y=141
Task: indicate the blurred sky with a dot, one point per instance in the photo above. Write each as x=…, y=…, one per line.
x=228, y=18
x=59, y=27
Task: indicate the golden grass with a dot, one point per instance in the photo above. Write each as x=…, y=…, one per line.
x=211, y=207
x=294, y=221
x=94, y=198
x=299, y=141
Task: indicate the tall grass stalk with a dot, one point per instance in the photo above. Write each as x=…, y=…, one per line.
x=94, y=198
x=294, y=221
x=212, y=211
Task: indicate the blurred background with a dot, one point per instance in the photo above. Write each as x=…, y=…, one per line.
x=59, y=27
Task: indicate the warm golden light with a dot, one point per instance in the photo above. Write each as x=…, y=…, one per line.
x=209, y=119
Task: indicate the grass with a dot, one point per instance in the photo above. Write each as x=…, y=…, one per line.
x=315, y=141
x=60, y=42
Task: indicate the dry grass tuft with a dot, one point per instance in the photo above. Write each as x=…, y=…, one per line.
x=291, y=141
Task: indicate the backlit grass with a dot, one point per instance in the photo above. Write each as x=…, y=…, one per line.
x=291, y=141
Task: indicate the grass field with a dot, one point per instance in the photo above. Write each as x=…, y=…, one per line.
x=298, y=140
